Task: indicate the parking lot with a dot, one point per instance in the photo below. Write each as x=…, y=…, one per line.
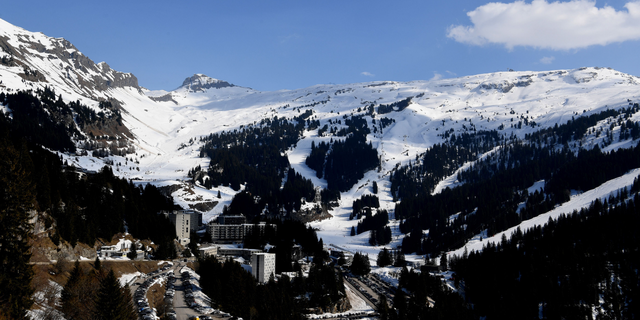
x=183, y=299
x=371, y=288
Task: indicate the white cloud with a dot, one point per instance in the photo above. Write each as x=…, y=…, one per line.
x=453, y=74
x=368, y=74
x=436, y=76
x=547, y=60
x=557, y=25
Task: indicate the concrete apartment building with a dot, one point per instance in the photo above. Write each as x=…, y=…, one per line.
x=233, y=229
x=185, y=222
x=263, y=265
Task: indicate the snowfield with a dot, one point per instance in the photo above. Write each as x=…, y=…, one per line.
x=166, y=133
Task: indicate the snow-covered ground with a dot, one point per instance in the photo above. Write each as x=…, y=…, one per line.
x=201, y=300
x=166, y=134
x=128, y=278
x=358, y=306
x=577, y=202
x=46, y=301
x=163, y=130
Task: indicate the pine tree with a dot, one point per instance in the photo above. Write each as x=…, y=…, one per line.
x=129, y=308
x=353, y=231
x=16, y=201
x=97, y=264
x=111, y=301
x=384, y=258
x=373, y=238
x=443, y=261
x=360, y=264
x=68, y=294
x=133, y=253
x=383, y=307
x=77, y=298
x=399, y=259
x=400, y=303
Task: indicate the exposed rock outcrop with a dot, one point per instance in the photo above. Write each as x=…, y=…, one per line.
x=200, y=82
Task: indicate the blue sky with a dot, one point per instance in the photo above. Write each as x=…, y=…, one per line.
x=272, y=45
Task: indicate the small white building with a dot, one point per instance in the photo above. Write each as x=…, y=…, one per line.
x=208, y=250
x=263, y=265
x=113, y=251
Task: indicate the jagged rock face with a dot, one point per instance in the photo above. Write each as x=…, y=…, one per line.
x=200, y=82
x=203, y=206
x=167, y=97
x=45, y=251
x=195, y=83
x=56, y=60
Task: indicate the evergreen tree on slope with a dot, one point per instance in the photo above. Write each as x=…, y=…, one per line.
x=16, y=200
x=111, y=301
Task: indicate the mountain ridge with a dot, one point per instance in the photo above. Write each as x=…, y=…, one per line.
x=406, y=119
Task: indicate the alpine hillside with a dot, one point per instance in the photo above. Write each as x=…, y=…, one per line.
x=438, y=168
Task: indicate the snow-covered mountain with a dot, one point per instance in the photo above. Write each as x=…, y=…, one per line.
x=166, y=126
x=36, y=58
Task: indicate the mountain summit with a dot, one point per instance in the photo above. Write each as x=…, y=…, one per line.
x=163, y=132
x=201, y=82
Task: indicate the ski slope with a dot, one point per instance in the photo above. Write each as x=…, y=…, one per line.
x=575, y=204
x=166, y=133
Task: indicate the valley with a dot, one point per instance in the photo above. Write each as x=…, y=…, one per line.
x=438, y=171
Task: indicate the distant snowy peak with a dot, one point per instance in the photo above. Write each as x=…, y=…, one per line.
x=198, y=83
x=201, y=82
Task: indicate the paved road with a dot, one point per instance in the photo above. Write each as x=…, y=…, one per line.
x=362, y=296
x=183, y=312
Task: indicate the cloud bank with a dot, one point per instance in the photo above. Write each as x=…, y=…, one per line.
x=558, y=25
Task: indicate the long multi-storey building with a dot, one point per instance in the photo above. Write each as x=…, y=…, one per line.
x=231, y=229
x=239, y=219
x=221, y=233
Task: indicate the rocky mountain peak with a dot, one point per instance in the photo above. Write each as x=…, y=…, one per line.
x=201, y=82
x=56, y=60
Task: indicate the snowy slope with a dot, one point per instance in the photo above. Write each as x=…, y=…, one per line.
x=577, y=202
x=166, y=125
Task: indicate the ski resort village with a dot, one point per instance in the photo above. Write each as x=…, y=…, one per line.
x=502, y=195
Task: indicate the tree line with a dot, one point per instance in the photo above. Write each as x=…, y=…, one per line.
x=75, y=206
x=579, y=265
x=493, y=196
x=43, y=118
x=96, y=294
